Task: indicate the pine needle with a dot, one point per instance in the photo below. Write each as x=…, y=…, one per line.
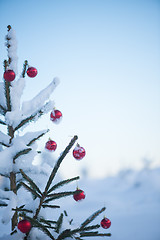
x=60, y=184
x=34, y=139
x=30, y=181
x=3, y=123
x=92, y=217
x=25, y=151
x=50, y=206
x=56, y=167
x=60, y=195
x=30, y=190
x=59, y=223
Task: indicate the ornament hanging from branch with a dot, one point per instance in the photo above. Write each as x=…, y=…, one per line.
x=24, y=226
x=79, y=152
x=51, y=145
x=9, y=75
x=32, y=72
x=55, y=116
x=79, y=195
x=105, y=223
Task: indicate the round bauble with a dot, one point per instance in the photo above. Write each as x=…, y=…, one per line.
x=51, y=145
x=79, y=195
x=105, y=223
x=79, y=152
x=24, y=226
x=9, y=75
x=55, y=116
x=31, y=72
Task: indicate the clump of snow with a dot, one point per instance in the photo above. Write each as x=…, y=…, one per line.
x=7, y=212
x=16, y=92
x=12, y=50
x=2, y=95
x=4, y=138
x=19, y=143
x=32, y=107
x=37, y=102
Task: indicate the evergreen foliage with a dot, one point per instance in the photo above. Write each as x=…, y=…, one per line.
x=20, y=179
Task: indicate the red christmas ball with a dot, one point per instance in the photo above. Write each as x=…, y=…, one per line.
x=51, y=145
x=105, y=223
x=24, y=226
x=79, y=195
x=32, y=72
x=78, y=152
x=55, y=116
x=9, y=75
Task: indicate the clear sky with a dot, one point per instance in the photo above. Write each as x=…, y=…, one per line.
x=107, y=56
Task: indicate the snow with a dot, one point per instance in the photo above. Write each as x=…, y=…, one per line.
x=2, y=95
x=32, y=106
x=132, y=201
x=37, y=102
x=19, y=143
x=16, y=92
x=7, y=211
x=12, y=50
x=4, y=138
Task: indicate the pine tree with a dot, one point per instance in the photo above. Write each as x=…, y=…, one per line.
x=17, y=172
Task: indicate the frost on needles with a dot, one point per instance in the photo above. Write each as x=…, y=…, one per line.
x=28, y=192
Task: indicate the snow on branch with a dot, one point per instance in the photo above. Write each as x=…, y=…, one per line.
x=2, y=99
x=2, y=122
x=29, y=107
x=4, y=139
x=33, y=109
x=17, y=151
x=12, y=49
x=24, y=120
x=16, y=92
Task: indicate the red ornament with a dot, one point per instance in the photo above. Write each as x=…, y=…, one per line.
x=24, y=226
x=55, y=116
x=9, y=75
x=32, y=72
x=78, y=152
x=51, y=145
x=105, y=223
x=79, y=195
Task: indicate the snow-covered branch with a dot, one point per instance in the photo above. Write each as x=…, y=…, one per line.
x=29, y=107
x=12, y=49
x=4, y=139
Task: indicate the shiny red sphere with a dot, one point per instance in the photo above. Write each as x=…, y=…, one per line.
x=31, y=72
x=105, y=223
x=51, y=145
x=79, y=152
x=9, y=75
x=24, y=226
x=55, y=115
x=79, y=195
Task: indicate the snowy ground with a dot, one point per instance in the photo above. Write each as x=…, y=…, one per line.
x=132, y=200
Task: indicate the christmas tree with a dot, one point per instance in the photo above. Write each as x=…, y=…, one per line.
x=28, y=191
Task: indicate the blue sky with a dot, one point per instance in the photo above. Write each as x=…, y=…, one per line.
x=107, y=56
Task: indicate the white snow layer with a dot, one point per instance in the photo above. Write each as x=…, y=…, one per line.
x=12, y=50
x=4, y=138
x=31, y=107
x=7, y=211
x=2, y=95
x=19, y=143
x=37, y=102
x=16, y=92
